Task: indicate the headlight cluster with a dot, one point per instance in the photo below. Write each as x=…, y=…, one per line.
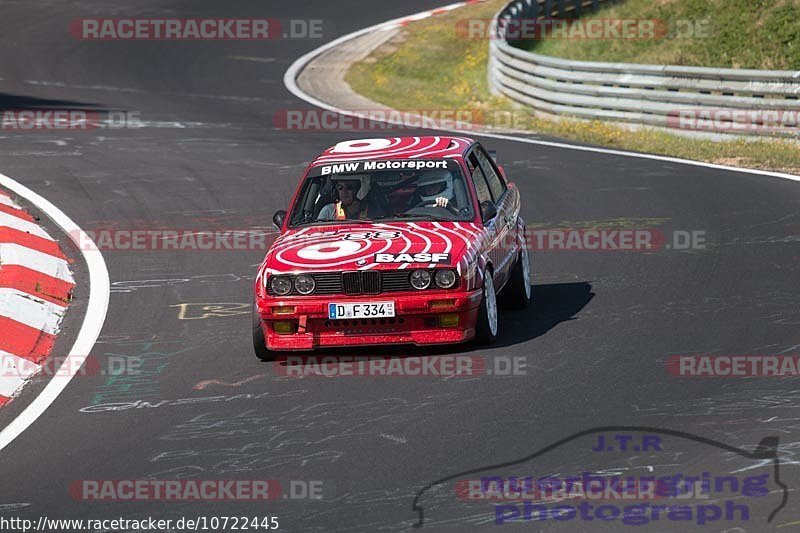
x=282, y=285
x=445, y=279
x=305, y=284
x=421, y=278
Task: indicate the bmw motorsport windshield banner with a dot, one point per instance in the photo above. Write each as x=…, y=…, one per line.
x=371, y=166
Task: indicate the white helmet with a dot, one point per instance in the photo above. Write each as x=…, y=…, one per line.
x=363, y=189
x=442, y=178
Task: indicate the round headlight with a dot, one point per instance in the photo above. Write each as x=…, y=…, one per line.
x=420, y=279
x=445, y=278
x=305, y=284
x=280, y=285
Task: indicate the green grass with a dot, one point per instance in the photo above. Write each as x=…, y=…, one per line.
x=430, y=66
x=760, y=34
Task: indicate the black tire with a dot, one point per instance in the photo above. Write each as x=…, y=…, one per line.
x=259, y=342
x=484, y=332
x=517, y=293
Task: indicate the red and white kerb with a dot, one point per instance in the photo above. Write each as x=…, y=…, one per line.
x=35, y=287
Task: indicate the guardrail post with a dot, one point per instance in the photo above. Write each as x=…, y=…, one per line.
x=532, y=11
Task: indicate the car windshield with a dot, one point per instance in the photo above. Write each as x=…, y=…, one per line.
x=383, y=190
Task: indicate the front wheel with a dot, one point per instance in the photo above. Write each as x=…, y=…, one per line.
x=486, y=328
x=259, y=342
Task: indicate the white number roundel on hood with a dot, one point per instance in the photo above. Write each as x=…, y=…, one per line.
x=329, y=250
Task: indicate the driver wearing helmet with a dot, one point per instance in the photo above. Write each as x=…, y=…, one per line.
x=434, y=189
x=350, y=195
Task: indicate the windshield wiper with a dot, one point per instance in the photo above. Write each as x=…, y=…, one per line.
x=331, y=222
x=418, y=215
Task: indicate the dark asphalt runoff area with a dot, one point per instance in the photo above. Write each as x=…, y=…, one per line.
x=595, y=341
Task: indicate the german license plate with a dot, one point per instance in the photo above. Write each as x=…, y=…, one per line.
x=361, y=310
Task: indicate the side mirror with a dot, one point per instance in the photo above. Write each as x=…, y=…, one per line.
x=488, y=211
x=278, y=218
x=502, y=171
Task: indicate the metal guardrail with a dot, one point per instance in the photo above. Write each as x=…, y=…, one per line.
x=737, y=99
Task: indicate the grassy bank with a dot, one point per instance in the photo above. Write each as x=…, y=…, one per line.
x=760, y=34
x=430, y=66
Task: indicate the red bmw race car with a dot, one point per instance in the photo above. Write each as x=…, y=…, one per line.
x=400, y=240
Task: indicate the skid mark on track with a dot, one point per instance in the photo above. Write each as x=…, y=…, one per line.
x=607, y=223
x=253, y=58
x=393, y=438
x=8, y=507
x=207, y=382
x=133, y=285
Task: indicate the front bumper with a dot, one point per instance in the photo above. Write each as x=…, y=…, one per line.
x=416, y=320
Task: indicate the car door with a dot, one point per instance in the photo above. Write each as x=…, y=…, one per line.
x=506, y=201
x=491, y=226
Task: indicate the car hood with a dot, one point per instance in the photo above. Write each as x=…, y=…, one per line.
x=374, y=246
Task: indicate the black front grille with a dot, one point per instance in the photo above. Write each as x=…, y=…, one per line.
x=328, y=283
x=351, y=282
x=361, y=282
x=371, y=282
x=396, y=280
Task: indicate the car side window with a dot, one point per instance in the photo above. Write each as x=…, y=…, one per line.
x=496, y=184
x=479, y=179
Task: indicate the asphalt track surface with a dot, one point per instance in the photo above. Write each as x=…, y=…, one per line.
x=595, y=340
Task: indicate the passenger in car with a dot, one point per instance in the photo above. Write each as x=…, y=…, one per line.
x=352, y=200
